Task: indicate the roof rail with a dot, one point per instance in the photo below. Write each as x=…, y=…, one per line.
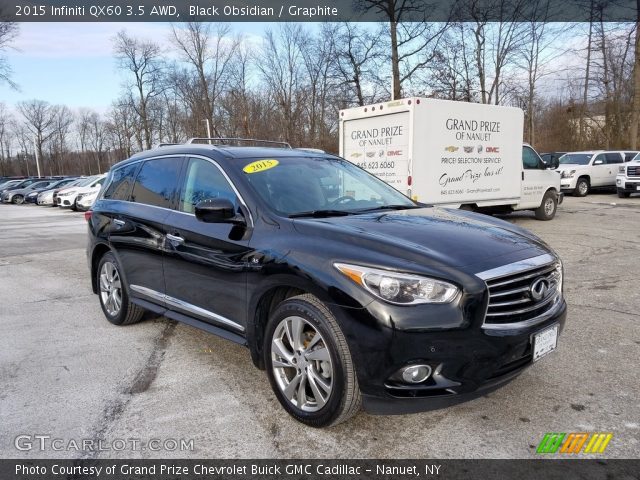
x=165, y=144
x=224, y=141
x=311, y=150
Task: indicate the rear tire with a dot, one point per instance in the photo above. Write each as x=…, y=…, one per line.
x=309, y=364
x=17, y=200
x=549, y=206
x=582, y=187
x=112, y=292
x=623, y=194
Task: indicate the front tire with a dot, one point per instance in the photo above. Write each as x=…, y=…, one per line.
x=309, y=364
x=17, y=200
x=582, y=187
x=113, y=295
x=548, y=208
x=623, y=194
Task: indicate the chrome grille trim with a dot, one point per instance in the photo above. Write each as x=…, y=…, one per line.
x=516, y=267
x=511, y=303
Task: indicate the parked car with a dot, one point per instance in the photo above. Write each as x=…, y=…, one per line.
x=18, y=195
x=582, y=171
x=66, y=198
x=628, y=178
x=47, y=198
x=552, y=159
x=344, y=295
x=9, y=184
x=33, y=196
x=85, y=201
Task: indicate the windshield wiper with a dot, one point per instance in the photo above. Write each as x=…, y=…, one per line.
x=389, y=207
x=321, y=214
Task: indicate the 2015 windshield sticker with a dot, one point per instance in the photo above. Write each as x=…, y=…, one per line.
x=260, y=165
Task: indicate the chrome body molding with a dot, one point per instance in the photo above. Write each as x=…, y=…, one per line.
x=174, y=302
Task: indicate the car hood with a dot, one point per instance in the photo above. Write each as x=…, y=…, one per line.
x=448, y=237
x=570, y=166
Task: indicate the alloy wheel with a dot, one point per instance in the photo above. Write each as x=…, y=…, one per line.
x=302, y=364
x=110, y=288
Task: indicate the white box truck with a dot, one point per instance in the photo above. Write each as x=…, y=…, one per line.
x=454, y=154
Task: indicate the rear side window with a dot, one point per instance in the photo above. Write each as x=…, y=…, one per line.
x=156, y=182
x=613, y=158
x=121, y=182
x=628, y=156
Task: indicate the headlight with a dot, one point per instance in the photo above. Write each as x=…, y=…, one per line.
x=621, y=169
x=567, y=174
x=399, y=288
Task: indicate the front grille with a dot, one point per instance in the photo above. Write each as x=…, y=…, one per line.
x=512, y=298
x=633, y=171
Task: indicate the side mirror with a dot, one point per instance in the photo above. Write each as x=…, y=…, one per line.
x=217, y=210
x=555, y=163
x=598, y=162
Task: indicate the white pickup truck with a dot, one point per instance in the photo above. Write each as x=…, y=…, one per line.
x=628, y=178
x=582, y=171
x=453, y=154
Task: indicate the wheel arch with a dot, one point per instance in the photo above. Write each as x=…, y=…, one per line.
x=98, y=252
x=266, y=298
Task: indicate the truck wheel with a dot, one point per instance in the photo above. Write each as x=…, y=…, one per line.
x=548, y=207
x=623, y=194
x=582, y=188
x=309, y=364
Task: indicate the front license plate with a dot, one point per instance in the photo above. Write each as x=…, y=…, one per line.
x=545, y=342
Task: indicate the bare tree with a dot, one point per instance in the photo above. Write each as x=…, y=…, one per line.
x=8, y=32
x=142, y=59
x=211, y=53
x=5, y=141
x=635, y=110
x=414, y=40
x=358, y=54
x=40, y=119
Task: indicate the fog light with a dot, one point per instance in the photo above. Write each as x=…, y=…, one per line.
x=416, y=373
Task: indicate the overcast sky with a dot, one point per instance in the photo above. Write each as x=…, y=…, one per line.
x=73, y=64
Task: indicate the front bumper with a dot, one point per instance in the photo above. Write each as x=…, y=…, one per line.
x=628, y=186
x=568, y=183
x=467, y=363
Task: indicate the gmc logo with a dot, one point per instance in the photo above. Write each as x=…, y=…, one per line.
x=492, y=149
x=394, y=153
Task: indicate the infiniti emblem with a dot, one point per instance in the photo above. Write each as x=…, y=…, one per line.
x=538, y=288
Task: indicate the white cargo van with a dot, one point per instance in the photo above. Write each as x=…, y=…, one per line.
x=455, y=154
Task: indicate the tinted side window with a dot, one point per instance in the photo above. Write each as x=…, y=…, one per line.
x=628, y=156
x=121, y=181
x=530, y=159
x=203, y=181
x=600, y=156
x=156, y=182
x=613, y=158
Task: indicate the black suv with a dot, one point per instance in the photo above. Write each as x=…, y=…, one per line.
x=344, y=290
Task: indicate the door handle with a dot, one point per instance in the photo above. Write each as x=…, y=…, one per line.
x=118, y=223
x=175, y=239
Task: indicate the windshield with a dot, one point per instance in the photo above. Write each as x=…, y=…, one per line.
x=575, y=159
x=294, y=186
x=86, y=181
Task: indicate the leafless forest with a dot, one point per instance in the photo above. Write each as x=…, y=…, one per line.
x=574, y=81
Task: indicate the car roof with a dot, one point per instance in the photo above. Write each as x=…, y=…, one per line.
x=219, y=152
